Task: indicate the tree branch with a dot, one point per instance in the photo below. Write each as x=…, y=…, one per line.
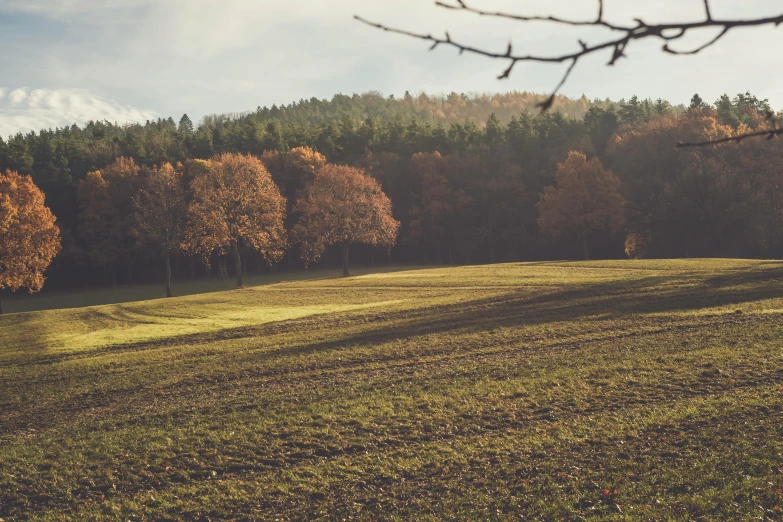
x=667, y=32
x=733, y=139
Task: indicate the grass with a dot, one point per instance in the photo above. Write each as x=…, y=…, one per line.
x=49, y=300
x=644, y=390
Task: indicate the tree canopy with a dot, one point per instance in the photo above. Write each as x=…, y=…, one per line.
x=343, y=206
x=159, y=213
x=29, y=239
x=585, y=198
x=235, y=203
x=463, y=183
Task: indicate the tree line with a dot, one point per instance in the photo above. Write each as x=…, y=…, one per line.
x=603, y=180
x=228, y=204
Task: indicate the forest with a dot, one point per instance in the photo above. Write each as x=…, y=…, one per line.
x=470, y=179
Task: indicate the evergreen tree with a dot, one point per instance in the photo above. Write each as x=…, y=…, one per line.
x=632, y=112
x=697, y=103
x=662, y=107
x=185, y=125
x=727, y=113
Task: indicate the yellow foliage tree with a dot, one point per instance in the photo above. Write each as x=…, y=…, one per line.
x=235, y=202
x=29, y=239
x=343, y=206
x=585, y=199
x=105, y=222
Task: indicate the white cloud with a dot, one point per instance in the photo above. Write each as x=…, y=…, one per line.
x=66, y=7
x=17, y=96
x=25, y=110
x=209, y=56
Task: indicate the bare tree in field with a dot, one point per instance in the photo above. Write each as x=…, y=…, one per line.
x=616, y=45
x=159, y=213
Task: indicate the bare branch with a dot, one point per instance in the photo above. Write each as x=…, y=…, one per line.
x=547, y=104
x=733, y=139
x=698, y=49
x=461, y=6
x=770, y=133
x=667, y=32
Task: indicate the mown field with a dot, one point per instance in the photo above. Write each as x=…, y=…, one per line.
x=637, y=390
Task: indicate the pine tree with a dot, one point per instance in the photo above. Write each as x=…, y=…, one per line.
x=727, y=113
x=697, y=103
x=662, y=107
x=185, y=125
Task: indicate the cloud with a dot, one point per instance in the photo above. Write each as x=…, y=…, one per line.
x=212, y=56
x=57, y=8
x=23, y=110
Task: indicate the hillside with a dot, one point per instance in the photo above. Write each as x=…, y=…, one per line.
x=551, y=390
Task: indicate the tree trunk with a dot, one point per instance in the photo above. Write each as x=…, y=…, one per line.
x=168, y=274
x=238, y=261
x=346, y=252
x=585, y=247
x=1, y=304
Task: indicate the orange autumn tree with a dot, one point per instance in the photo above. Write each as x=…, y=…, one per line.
x=586, y=199
x=343, y=206
x=29, y=239
x=293, y=170
x=235, y=203
x=105, y=221
x=159, y=213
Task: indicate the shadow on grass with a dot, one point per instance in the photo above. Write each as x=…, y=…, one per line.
x=616, y=299
x=622, y=298
x=605, y=300
x=51, y=300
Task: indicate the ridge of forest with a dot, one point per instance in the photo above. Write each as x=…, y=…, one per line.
x=476, y=199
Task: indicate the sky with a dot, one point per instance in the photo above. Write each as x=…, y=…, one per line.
x=70, y=61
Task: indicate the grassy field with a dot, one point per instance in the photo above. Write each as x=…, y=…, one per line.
x=636, y=390
x=54, y=299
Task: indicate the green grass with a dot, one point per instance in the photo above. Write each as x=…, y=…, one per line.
x=638, y=390
x=55, y=299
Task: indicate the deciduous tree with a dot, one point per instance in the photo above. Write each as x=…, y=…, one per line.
x=343, y=206
x=96, y=221
x=293, y=170
x=29, y=239
x=159, y=213
x=235, y=203
x=586, y=198
x=105, y=222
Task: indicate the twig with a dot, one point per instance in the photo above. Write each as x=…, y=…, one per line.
x=668, y=32
x=769, y=134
